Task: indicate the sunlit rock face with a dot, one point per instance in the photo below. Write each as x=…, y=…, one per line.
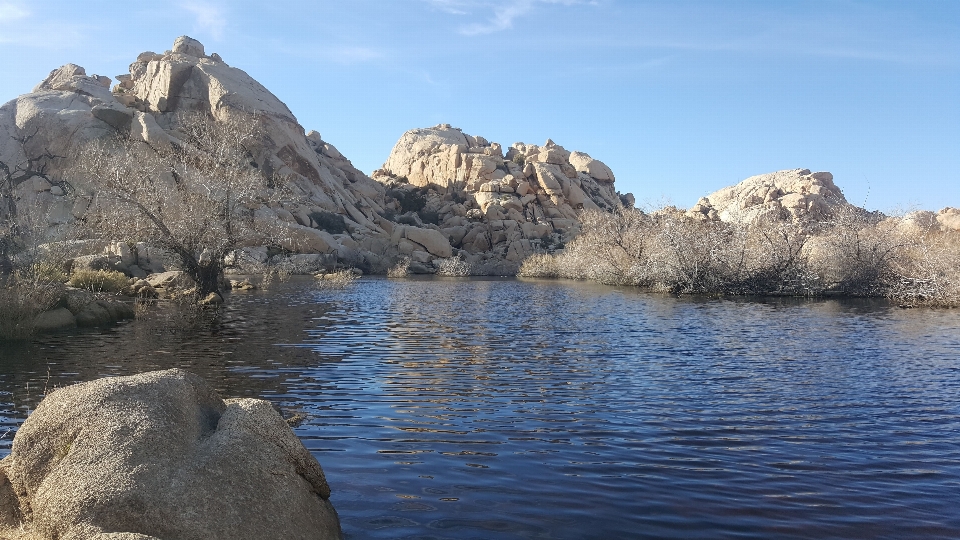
x=160, y=455
x=493, y=204
x=69, y=109
x=792, y=194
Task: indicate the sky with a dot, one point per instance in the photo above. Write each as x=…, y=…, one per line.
x=679, y=98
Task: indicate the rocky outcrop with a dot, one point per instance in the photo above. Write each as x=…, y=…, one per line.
x=69, y=109
x=796, y=194
x=492, y=207
x=949, y=219
x=156, y=456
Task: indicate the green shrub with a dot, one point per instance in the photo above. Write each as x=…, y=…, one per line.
x=100, y=280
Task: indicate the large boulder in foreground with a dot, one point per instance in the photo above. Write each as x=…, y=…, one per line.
x=160, y=455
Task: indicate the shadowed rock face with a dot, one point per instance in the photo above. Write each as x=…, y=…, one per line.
x=160, y=455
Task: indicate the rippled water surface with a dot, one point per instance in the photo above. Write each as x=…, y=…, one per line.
x=489, y=409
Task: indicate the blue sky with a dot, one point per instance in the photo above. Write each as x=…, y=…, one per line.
x=680, y=98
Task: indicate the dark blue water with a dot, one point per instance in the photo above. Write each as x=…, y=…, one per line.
x=485, y=409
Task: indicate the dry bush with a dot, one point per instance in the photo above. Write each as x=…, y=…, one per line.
x=337, y=280
x=929, y=272
x=855, y=252
x=100, y=281
x=193, y=199
x=539, y=265
x=852, y=253
x=401, y=269
x=454, y=267
x=21, y=303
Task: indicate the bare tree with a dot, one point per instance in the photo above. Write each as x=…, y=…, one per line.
x=194, y=198
x=35, y=165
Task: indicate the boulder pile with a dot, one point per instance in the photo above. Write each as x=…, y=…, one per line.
x=441, y=193
x=491, y=207
x=158, y=456
x=796, y=194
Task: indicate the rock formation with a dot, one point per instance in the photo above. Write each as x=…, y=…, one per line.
x=490, y=206
x=796, y=194
x=160, y=456
x=70, y=108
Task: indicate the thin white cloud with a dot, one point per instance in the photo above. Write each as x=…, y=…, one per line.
x=12, y=12
x=208, y=18
x=494, y=15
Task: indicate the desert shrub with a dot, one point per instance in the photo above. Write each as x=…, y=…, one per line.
x=401, y=269
x=929, y=271
x=100, y=280
x=853, y=253
x=328, y=221
x=519, y=159
x=856, y=253
x=20, y=303
x=337, y=280
x=539, y=265
x=669, y=251
x=454, y=267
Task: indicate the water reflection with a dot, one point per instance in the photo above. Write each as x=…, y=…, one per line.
x=508, y=409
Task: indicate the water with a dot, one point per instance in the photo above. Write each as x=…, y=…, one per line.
x=500, y=409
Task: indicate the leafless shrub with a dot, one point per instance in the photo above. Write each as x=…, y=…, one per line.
x=337, y=280
x=929, y=272
x=401, y=269
x=193, y=198
x=539, y=265
x=454, y=267
x=21, y=303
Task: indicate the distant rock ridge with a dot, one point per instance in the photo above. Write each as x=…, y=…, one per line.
x=791, y=194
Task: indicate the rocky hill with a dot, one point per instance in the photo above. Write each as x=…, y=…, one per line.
x=495, y=207
x=70, y=108
x=442, y=193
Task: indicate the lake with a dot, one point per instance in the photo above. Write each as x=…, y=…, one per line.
x=507, y=409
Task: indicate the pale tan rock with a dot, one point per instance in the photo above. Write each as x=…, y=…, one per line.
x=189, y=46
x=949, y=218
x=597, y=170
x=161, y=455
x=60, y=78
x=791, y=194
x=56, y=319
x=432, y=240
